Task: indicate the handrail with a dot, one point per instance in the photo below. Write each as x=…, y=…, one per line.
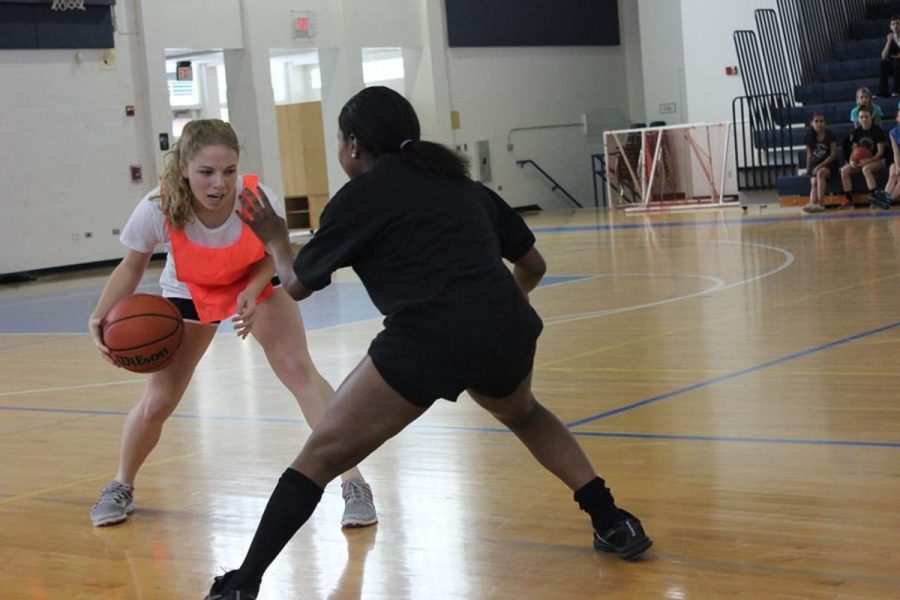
x=556, y=185
x=771, y=43
x=792, y=41
x=601, y=172
x=763, y=140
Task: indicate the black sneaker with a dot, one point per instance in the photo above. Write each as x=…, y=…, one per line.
x=220, y=583
x=880, y=199
x=626, y=538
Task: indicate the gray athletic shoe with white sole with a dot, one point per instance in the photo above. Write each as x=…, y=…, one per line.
x=359, y=506
x=115, y=504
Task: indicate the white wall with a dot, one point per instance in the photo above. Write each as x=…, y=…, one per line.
x=534, y=98
x=69, y=165
x=662, y=59
x=708, y=32
x=67, y=146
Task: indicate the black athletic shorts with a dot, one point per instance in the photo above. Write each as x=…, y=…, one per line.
x=423, y=388
x=189, y=312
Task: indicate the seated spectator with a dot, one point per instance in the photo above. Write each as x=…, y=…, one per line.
x=821, y=161
x=864, y=98
x=892, y=189
x=890, y=60
x=872, y=138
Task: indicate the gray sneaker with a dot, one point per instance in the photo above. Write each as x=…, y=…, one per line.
x=359, y=507
x=115, y=504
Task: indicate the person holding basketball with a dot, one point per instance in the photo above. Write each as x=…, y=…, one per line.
x=215, y=270
x=867, y=155
x=428, y=243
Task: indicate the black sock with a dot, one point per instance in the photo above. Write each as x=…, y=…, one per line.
x=872, y=191
x=595, y=499
x=291, y=504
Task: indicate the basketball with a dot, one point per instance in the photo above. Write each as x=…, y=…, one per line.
x=860, y=153
x=143, y=332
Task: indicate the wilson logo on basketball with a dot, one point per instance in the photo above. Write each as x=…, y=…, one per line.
x=141, y=361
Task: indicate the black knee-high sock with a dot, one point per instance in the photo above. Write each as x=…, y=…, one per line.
x=293, y=501
x=595, y=499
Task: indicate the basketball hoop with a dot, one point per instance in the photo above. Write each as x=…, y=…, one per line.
x=67, y=5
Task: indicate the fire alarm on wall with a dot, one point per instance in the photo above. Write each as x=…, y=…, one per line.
x=731, y=70
x=129, y=110
x=304, y=24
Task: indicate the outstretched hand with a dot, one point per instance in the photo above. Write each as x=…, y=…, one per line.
x=258, y=214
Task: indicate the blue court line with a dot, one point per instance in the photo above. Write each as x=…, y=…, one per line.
x=744, y=222
x=458, y=428
x=123, y=413
x=733, y=375
x=751, y=440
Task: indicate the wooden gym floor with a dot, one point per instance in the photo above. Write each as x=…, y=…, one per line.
x=733, y=376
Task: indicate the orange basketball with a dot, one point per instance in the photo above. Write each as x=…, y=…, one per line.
x=860, y=153
x=143, y=332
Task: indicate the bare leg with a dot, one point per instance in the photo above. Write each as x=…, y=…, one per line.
x=542, y=433
x=869, y=173
x=365, y=413
x=163, y=392
x=822, y=185
x=893, y=181
x=279, y=329
x=846, y=172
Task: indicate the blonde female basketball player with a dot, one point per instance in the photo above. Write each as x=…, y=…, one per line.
x=216, y=269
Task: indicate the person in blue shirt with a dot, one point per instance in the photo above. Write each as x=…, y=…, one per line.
x=891, y=192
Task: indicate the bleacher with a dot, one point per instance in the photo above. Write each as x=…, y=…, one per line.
x=855, y=63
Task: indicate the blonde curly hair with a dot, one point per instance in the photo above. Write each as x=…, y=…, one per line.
x=175, y=197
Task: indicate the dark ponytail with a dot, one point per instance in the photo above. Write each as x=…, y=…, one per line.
x=384, y=122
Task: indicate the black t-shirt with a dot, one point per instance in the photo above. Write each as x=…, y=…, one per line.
x=868, y=138
x=894, y=50
x=819, y=149
x=429, y=251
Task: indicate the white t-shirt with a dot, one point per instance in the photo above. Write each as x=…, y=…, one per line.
x=146, y=229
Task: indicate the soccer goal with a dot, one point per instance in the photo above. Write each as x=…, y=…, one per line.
x=675, y=167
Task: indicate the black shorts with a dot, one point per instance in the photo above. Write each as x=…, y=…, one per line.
x=189, y=312
x=422, y=388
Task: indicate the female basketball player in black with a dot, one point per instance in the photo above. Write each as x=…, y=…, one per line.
x=428, y=244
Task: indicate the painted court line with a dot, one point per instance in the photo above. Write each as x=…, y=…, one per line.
x=465, y=429
x=744, y=222
x=733, y=375
x=743, y=439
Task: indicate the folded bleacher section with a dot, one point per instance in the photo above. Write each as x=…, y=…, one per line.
x=825, y=63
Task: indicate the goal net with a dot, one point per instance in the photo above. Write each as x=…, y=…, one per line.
x=674, y=167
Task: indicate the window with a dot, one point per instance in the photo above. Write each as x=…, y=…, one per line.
x=386, y=69
x=181, y=93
